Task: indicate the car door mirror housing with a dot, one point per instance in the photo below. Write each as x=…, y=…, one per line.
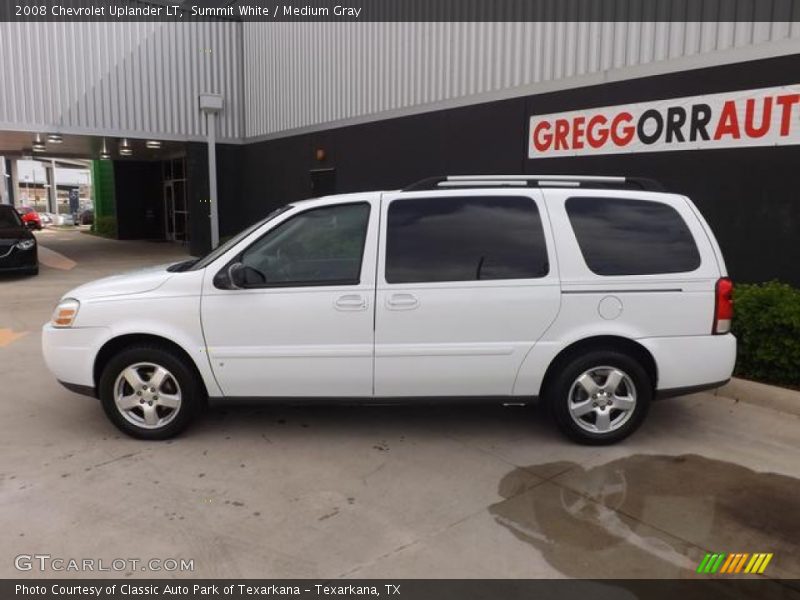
x=231, y=277
x=237, y=276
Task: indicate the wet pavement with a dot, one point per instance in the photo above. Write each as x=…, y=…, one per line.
x=642, y=515
x=375, y=491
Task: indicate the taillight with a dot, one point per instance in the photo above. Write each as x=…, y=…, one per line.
x=723, y=306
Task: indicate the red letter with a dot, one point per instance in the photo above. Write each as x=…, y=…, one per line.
x=577, y=132
x=786, y=103
x=596, y=142
x=542, y=142
x=728, y=122
x=562, y=130
x=749, y=117
x=623, y=137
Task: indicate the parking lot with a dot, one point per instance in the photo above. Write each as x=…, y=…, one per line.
x=365, y=492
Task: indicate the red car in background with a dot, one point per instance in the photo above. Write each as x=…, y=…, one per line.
x=29, y=215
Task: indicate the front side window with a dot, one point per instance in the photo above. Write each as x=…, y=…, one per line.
x=464, y=239
x=321, y=246
x=225, y=246
x=620, y=236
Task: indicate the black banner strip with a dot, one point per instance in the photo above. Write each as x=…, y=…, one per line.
x=729, y=588
x=403, y=10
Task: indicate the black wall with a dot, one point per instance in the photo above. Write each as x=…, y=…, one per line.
x=140, y=200
x=750, y=196
x=235, y=211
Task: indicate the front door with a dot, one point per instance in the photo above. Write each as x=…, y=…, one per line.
x=466, y=285
x=303, y=325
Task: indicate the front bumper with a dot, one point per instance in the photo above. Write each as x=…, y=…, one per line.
x=70, y=354
x=14, y=260
x=83, y=390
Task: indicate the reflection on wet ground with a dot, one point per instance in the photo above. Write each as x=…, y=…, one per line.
x=651, y=516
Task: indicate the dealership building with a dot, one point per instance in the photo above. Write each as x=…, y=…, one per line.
x=710, y=108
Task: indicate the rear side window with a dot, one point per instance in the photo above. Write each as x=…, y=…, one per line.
x=464, y=239
x=620, y=236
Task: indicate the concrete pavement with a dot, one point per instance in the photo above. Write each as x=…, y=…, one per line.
x=374, y=492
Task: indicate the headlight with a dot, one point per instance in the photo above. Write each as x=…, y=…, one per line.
x=65, y=313
x=26, y=244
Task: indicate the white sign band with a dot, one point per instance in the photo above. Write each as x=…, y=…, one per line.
x=763, y=117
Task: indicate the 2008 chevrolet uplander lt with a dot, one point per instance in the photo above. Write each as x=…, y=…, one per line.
x=595, y=294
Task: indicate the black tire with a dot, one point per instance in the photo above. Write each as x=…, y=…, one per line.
x=557, y=397
x=190, y=391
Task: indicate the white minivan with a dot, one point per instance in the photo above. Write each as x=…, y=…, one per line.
x=594, y=294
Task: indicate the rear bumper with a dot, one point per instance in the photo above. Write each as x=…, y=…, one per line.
x=689, y=364
x=692, y=389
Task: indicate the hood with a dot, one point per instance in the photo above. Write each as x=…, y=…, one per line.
x=133, y=282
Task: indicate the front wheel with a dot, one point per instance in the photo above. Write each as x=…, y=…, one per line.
x=601, y=397
x=149, y=393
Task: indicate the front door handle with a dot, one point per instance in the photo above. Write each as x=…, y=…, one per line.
x=351, y=302
x=402, y=302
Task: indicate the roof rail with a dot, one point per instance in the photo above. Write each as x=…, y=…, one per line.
x=581, y=181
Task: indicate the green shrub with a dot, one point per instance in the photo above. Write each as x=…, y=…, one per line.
x=105, y=226
x=767, y=324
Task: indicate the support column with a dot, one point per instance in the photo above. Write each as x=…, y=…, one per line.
x=52, y=191
x=15, y=195
x=211, y=125
x=4, y=181
x=211, y=104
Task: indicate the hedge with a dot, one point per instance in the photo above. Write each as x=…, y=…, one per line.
x=105, y=226
x=767, y=324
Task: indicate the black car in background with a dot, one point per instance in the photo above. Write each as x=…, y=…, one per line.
x=18, y=251
x=86, y=217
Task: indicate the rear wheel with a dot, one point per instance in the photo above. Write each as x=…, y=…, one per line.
x=601, y=397
x=150, y=393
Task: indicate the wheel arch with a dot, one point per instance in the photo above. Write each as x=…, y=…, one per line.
x=118, y=343
x=602, y=342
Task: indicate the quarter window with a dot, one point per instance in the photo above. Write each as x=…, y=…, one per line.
x=464, y=239
x=620, y=236
x=321, y=246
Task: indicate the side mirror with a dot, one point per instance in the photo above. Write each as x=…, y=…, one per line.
x=237, y=276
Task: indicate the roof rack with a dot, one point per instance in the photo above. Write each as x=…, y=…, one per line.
x=576, y=181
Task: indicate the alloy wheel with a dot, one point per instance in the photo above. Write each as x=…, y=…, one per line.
x=147, y=395
x=602, y=399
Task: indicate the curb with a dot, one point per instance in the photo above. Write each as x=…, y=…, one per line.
x=761, y=394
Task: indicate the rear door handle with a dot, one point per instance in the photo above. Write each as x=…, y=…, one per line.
x=402, y=302
x=351, y=302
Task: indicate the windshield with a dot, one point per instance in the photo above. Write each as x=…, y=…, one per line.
x=9, y=219
x=223, y=248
